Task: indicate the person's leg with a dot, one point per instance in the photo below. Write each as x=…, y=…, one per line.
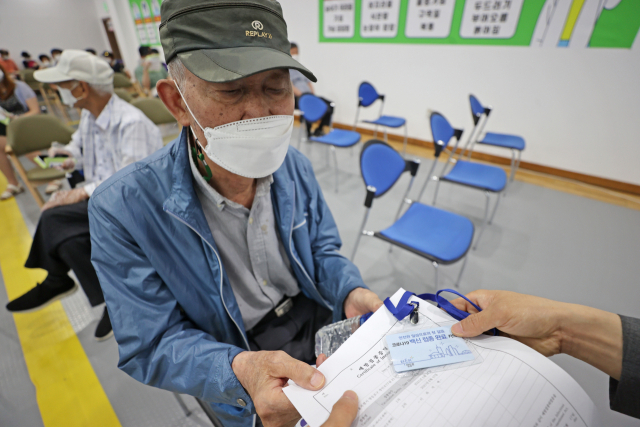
x=76, y=253
x=5, y=164
x=326, y=119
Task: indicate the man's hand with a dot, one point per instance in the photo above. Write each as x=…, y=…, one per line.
x=65, y=197
x=264, y=374
x=550, y=327
x=361, y=301
x=344, y=411
x=68, y=165
x=54, y=151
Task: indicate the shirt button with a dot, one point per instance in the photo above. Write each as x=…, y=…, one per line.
x=241, y=402
x=250, y=220
x=264, y=283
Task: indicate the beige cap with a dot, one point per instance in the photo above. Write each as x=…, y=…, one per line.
x=77, y=65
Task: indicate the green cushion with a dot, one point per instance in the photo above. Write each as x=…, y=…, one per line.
x=34, y=133
x=38, y=174
x=155, y=109
x=120, y=80
x=123, y=94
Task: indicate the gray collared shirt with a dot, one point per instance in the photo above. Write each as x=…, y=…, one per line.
x=250, y=248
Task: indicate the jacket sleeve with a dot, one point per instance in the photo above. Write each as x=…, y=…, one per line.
x=336, y=275
x=158, y=345
x=624, y=395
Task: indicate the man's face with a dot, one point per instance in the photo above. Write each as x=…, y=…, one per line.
x=214, y=104
x=78, y=89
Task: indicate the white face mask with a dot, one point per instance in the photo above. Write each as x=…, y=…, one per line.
x=67, y=96
x=296, y=57
x=252, y=148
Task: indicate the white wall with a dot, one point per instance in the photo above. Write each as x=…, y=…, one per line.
x=578, y=109
x=39, y=25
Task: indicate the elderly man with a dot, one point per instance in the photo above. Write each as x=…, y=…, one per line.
x=218, y=255
x=111, y=135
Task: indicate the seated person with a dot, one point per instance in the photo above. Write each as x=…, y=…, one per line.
x=55, y=55
x=91, y=50
x=150, y=70
x=45, y=61
x=302, y=85
x=111, y=135
x=116, y=64
x=17, y=99
x=7, y=63
x=218, y=255
x=27, y=62
x=606, y=341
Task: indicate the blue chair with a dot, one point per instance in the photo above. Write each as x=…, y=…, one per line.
x=490, y=179
x=441, y=237
x=367, y=95
x=313, y=108
x=513, y=142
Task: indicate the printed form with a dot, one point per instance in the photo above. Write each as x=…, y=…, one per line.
x=507, y=384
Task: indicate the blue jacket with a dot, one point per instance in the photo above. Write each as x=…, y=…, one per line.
x=173, y=311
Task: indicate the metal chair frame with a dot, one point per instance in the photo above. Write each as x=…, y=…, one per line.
x=451, y=159
x=479, y=122
x=375, y=132
x=411, y=166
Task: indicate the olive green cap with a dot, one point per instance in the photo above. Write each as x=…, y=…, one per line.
x=225, y=40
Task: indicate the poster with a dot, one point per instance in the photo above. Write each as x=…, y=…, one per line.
x=536, y=23
x=146, y=17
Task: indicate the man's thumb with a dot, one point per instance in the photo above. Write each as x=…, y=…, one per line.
x=473, y=325
x=344, y=411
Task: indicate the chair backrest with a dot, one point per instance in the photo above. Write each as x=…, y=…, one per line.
x=120, y=80
x=441, y=130
x=155, y=110
x=367, y=94
x=27, y=77
x=312, y=107
x=477, y=110
x=123, y=94
x=381, y=165
x=33, y=133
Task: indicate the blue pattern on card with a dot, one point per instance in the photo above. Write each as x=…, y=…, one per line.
x=426, y=348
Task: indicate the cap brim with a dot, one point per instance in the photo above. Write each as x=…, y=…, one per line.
x=226, y=65
x=51, y=75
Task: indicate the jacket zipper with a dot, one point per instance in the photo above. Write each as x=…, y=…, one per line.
x=221, y=278
x=234, y=4
x=293, y=215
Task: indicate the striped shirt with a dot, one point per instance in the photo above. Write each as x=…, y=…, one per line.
x=119, y=136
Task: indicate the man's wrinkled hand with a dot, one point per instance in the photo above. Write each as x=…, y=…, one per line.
x=264, y=374
x=65, y=197
x=361, y=301
x=344, y=411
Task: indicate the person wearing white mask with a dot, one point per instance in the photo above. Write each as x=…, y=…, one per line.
x=218, y=255
x=111, y=135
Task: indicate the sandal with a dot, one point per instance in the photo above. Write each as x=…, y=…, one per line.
x=11, y=191
x=53, y=186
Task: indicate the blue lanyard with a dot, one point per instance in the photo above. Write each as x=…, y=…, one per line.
x=405, y=308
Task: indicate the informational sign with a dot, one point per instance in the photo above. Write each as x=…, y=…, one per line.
x=535, y=23
x=379, y=18
x=490, y=19
x=146, y=16
x=429, y=18
x=338, y=17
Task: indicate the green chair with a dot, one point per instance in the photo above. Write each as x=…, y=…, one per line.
x=35, y=133
x=122, y=81
x=49, y=97
x=156, y=111
x=123, y=94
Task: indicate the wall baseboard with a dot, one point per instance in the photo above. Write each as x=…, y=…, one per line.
x=610, y=184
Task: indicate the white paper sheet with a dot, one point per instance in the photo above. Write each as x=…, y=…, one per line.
x=507, y=385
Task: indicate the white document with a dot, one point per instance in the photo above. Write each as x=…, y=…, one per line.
x=507, y=384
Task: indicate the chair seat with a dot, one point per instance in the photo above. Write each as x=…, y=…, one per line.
x=436, y=234
x=477, y=175
x=503, y=140
x=338, y=138
x=39, y=174
x=388, y=121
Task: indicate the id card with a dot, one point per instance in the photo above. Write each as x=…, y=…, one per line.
x=425, y=348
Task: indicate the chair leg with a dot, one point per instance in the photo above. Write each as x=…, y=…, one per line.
x=435, y=195
x=511, y=172
x=23, y=175
x=517, y=165
x=435, y=266
x=464, y=264
x=375, y=132
x=495, y=208
x=184, y=407
x=386, y=139
x=335, y=161
x=360, y=233
x=484, y=221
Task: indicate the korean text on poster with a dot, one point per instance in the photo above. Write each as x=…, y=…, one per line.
x=379, y=18
x=338, y=18
x=429, y=18
x=490, y=19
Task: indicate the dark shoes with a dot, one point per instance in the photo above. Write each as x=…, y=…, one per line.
x=51, y=290
x=104, y=331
